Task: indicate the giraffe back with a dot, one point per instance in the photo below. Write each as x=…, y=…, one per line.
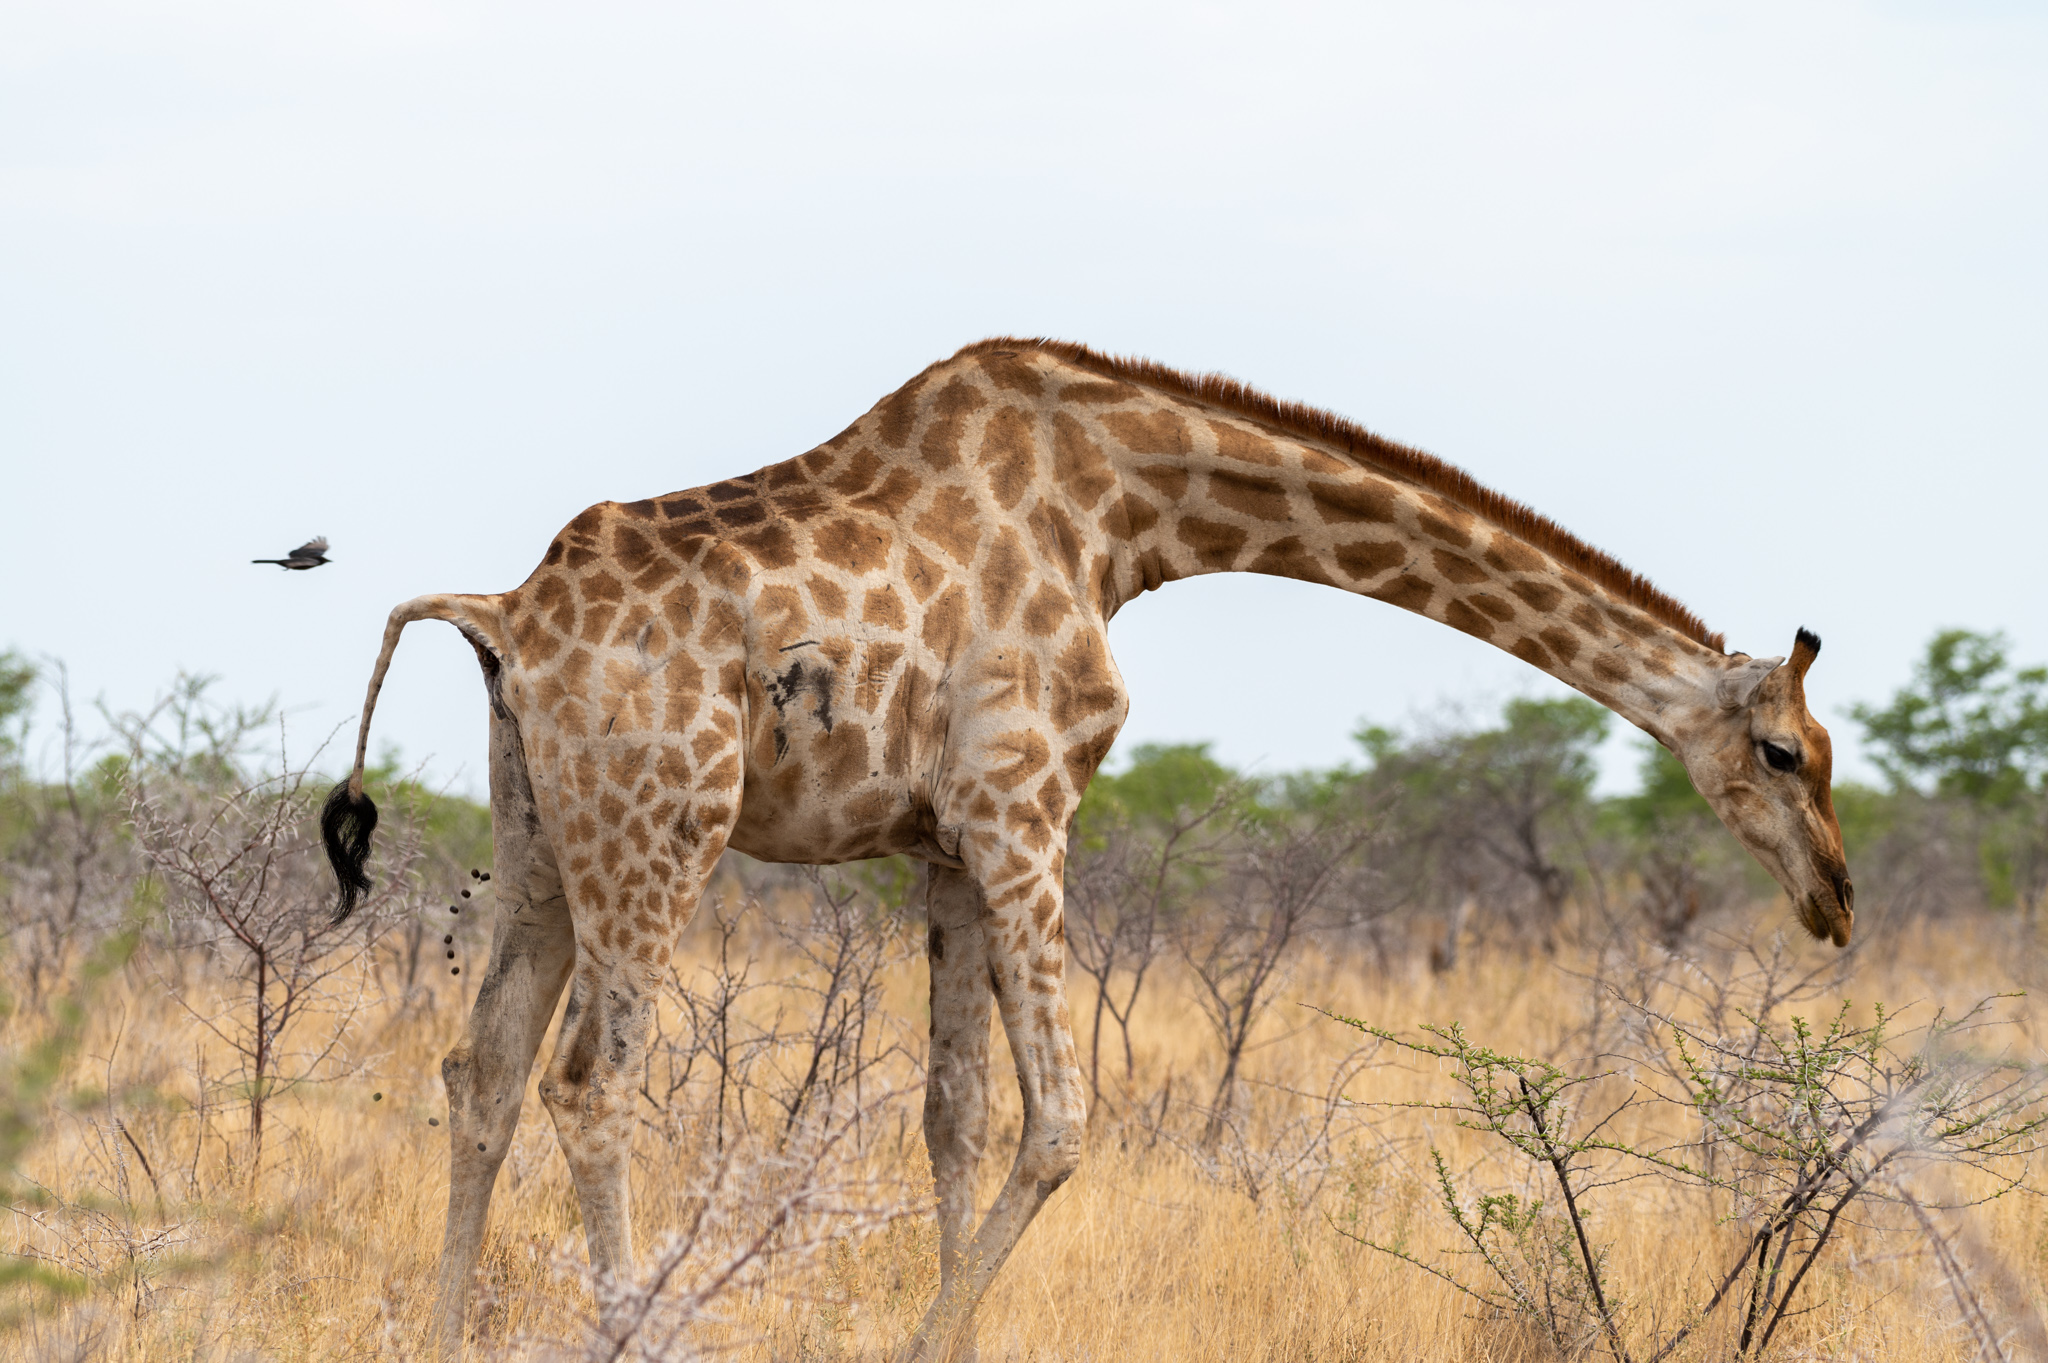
x=905, y=628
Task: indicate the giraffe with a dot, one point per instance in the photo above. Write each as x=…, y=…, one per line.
x=896, y=644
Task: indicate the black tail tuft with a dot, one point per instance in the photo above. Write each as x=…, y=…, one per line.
x=346, y=823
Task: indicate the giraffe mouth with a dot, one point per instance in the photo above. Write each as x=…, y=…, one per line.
x=1827, y=926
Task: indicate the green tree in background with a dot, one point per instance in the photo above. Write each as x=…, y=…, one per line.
x=17, y=676
x=1971, y=729
x=1541, y=757
x=1537, y=762
x=1531, y=780
x=1473, y=806
x=1162, y=780
x=1969, y=723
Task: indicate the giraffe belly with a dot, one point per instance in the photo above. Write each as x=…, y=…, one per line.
x=837, y=753
x=824, y=796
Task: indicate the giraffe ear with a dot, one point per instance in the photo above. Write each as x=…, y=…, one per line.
x=1738, y=686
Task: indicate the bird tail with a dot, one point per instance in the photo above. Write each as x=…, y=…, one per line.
x=349, y=817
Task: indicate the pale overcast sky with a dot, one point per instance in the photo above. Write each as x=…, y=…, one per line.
x=1752, y=295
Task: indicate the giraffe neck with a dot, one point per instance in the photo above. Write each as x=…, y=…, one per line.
x=1196, y=492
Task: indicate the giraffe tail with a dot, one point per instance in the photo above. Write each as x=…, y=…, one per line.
x=349, y=817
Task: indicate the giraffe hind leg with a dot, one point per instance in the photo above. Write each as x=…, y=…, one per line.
x=629, y=899
x=531, y=948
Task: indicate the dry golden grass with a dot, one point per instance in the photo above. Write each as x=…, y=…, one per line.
x=1152, y=1251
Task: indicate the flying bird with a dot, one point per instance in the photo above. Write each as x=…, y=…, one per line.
x=311, y=554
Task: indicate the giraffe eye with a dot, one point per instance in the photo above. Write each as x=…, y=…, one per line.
x=1779, y=759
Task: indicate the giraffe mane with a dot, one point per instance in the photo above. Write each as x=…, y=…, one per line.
x=1329, y=430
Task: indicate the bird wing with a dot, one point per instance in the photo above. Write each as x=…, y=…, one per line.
x=312, y=548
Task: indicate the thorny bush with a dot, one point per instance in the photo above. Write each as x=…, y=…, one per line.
x=1794, y=1128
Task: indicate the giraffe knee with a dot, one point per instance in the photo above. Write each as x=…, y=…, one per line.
x=564, y=1095
x=460, y=1077
x=482, y=1113
x=580, y=1098
x=1054, y=1153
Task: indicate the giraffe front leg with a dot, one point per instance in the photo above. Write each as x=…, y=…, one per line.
x=956, y=1082
x=532, y=946
x=1025, y=957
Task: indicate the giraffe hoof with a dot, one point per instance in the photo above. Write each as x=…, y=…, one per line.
x=923, y=1348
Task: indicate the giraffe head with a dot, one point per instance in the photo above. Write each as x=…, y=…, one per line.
x=1764, y=763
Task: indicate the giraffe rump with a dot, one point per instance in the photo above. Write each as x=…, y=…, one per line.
x=346, y=822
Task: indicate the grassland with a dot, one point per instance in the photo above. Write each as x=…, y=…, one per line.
x=1163, y=1246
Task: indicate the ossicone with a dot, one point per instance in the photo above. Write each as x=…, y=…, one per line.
x=1805, y=648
